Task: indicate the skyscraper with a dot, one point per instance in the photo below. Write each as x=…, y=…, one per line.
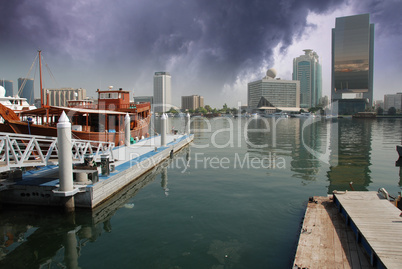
x=162, y=92
x=352, y=62
x=8, y=85
x=26, y=89
x=307, y=69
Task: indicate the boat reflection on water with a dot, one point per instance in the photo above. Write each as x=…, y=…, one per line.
x=37, y=237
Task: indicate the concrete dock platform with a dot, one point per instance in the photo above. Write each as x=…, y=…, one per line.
x=40, y=186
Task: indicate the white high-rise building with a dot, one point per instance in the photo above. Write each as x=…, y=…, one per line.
x=279, y=93
x=162, y=92
x=393, y=100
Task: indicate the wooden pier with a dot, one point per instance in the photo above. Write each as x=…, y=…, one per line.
x=352, y=230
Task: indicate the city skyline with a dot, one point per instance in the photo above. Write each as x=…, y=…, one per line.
x=216, y=48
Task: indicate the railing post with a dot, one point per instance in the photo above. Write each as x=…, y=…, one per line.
x=65, y=159
x=7, y=150
x=127, y=130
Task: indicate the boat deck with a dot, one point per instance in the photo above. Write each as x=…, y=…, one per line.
x=325, y=240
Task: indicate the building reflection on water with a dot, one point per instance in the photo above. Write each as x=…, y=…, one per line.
x=283, y=137
x=54, y=239
x=353, y=144
x=340, y=148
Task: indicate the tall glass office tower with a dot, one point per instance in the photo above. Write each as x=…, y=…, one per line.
x=162, y=92
x=307, y=69
x=26, y=89
x=352, y=58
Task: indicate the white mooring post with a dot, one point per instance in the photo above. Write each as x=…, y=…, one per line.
x=127, y=130
x=188, y=124
x=65, y=159
x=163, y=129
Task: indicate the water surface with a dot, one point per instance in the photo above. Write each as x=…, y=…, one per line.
x=233, y=199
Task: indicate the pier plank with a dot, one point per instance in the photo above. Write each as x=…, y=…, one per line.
x=378, y=221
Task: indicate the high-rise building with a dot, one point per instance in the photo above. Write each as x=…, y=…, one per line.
x=307, y=69
x=192, y=102
x=393, y=100
x=162, y=92
x=352, y=62
x=59, y=97
x=26, y=89
x=9, y=86
x=277, y=92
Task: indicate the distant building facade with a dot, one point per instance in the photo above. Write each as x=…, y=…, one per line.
x=279, y=93
x=379, y=103
x=59, y=97
x=192, y=102
x=307, y=69
x=162, y=92
x=26, y=89
x=9, y=86
x=393, y=100
x=352, y=61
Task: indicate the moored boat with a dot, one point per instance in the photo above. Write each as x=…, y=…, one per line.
x=101, y=122
x=304, y=115
x=399, y=150
x=16, y=103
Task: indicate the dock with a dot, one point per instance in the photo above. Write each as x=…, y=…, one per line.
x=40, y=186
x=350, y=230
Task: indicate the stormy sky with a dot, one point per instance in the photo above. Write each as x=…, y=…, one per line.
x=211, y=48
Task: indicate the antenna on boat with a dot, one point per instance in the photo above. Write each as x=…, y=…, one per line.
x=40, y=78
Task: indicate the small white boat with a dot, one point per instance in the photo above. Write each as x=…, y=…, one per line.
x=16, y=103
x=304, y=115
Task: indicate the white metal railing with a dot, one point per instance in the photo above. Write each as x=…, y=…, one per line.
x=19, y=150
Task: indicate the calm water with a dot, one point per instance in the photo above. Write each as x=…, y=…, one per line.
x=234, y=199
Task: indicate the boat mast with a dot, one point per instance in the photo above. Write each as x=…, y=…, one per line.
x=40, y=77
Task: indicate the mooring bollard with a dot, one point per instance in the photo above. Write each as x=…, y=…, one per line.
x=127, y=130
x=163, y=129
x=65, y=159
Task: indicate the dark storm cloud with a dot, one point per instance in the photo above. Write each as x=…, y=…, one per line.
x=237, y=30
x=218, y=40
x=386, y=15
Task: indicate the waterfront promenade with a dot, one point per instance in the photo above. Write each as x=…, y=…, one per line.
x=41, y=186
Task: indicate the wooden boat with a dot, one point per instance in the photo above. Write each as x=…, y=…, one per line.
x=101, y=122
